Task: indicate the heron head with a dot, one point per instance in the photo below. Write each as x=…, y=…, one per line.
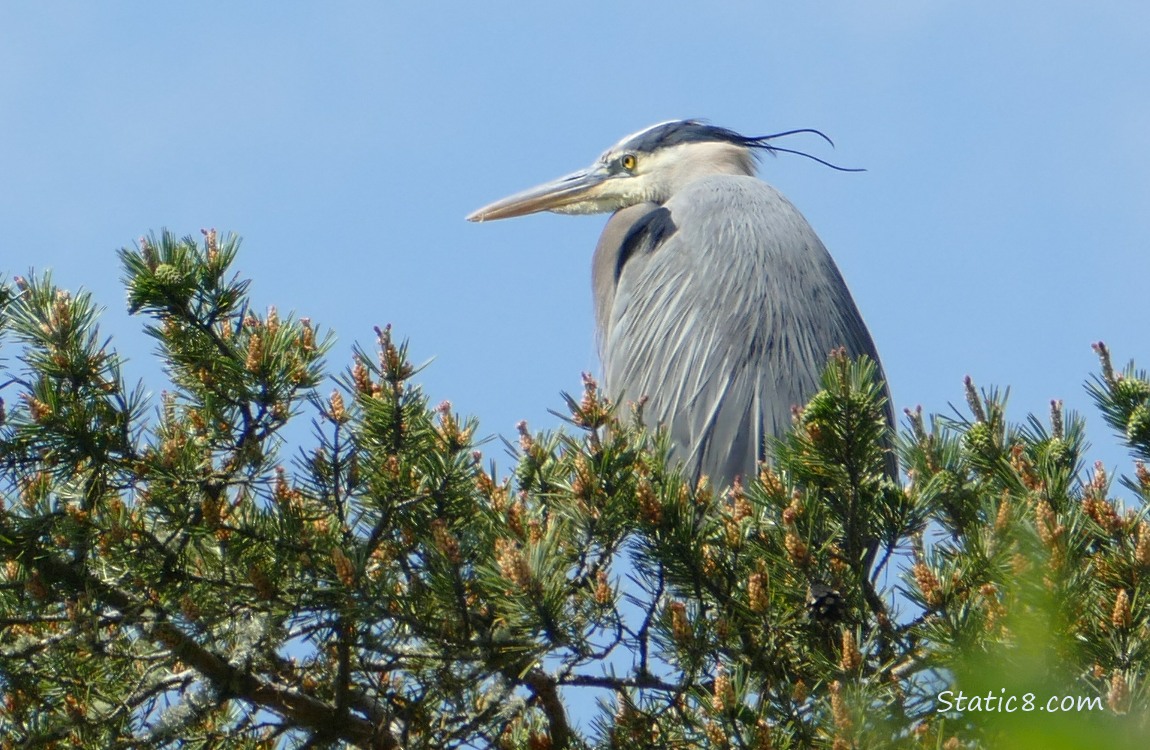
x=650, y=165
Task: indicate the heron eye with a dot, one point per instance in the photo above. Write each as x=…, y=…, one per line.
x=628, y=161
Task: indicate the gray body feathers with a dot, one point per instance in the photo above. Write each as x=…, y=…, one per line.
x=720, y=307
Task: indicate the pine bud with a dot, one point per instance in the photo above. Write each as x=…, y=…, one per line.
x=715, y=734
x=594, y=409
x=650, y=510
x=538, y=741
x=255, y=353
x=723, y=694
x=306, y=338
x=928, y=584
x=281, y=491
x=680, y=625
x=710, y=560
x=1103, y=513
x=361, y=377
x=74, y=708
x=535, y=531
x=1056, y=427
x=512, y=564
x=757, y=597
x=34, y=585
x=1104, y=359
x=1121, y=617
x=1023, y=467
x=272, y=322
x=344, y=568
x=796, y=549
x=972, y=399
x=190, y=609
x=445, y=541
x=995, y=610
x=842, y=717
x=1049, y=530
x=771, y=482
x=1118, y=697
x=336, y=408
x=526, y=441
x=1002, y=518
x=852, y=657
x=740, y=507
x=516, y=513
x=762, y=736
x=212, y=511
x=39, y=410
x=604, y=594
x=263, y=584
x=1143, y=475
x=211, y=242
x=1142, y=548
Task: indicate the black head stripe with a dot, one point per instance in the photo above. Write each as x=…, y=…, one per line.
x=681, y=131
x=669, y=134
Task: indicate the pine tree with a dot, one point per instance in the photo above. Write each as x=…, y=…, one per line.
x=180, y=574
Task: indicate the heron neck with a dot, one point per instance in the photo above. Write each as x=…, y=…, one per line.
x=684, y=164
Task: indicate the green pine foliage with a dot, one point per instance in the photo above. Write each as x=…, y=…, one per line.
x=175, y=573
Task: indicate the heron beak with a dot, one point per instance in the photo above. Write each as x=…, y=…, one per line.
x=577, y=193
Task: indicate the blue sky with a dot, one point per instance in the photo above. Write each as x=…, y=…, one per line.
x=1003, y=224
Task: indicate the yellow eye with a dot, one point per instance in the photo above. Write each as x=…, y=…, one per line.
x=628, y=161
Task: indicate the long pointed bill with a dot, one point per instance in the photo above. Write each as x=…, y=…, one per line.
x=562, y=195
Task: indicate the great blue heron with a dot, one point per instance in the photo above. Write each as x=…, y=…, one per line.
x=714, y=298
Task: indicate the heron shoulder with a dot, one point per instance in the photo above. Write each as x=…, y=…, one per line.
x=756, y=209
x=708, y=210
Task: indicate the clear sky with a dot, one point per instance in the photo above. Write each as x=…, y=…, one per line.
x=1003, y=224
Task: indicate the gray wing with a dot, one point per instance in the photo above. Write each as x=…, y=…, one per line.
x=720, y=307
